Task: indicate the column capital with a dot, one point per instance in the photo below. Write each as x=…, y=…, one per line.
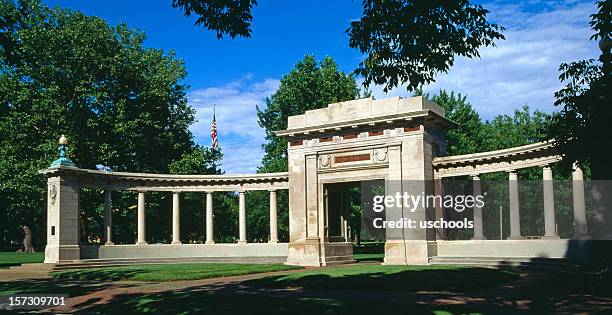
x=176, y=192
x=272, y=190
x=475, y=176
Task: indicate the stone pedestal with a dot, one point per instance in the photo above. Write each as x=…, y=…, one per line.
x=62, y=220
x=400, y=252
x=312, y=253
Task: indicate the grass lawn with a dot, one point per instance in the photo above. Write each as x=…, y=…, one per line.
x=369, y=257
x=168, y=272
x=391, y=278
x=8, y=259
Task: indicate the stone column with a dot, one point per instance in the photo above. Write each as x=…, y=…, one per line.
x=549, y=204
x=241, y=218
x=273, y=218
x=176, y=218
x=209, y=218
x=476, y=191
x=141, y=219
x=108, y=218
x=515, y=215
x=439, y=211
x=580, y=225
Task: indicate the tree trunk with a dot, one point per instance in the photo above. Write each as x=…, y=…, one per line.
x=27, y=239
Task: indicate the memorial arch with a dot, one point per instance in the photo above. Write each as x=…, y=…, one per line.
x=397, y=140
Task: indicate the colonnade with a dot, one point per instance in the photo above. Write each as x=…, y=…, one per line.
x=580, y=228
x=176, y=218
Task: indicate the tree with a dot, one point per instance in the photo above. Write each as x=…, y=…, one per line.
x=585, y=102
x=121, y=105
x=585, y=118
x=411, y=41
x=309, y=85
x=404, y=41
x=522, y=128
x=232, y=17
x=468, y=136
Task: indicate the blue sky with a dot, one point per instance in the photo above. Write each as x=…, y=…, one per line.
x=238, y=74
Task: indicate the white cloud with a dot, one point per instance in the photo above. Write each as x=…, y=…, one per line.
x=523, y=69
x=240, y=137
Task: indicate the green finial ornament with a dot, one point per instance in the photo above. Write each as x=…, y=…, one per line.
x=63, y=160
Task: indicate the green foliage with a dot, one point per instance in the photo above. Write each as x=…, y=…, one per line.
x=411, y=41
x=199, y=161
x=468, y=135
x=585, y=101
x=404, y=41
x=309, y=85
x=231, y=17
x=121, y=105
x=472, y=135
x=523, y=127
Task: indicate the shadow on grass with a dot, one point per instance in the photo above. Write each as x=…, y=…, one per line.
x=210, y=302
x=362, y=294
x=392, y=278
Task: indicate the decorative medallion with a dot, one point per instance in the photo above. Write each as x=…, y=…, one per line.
x=381, y=155
x=324, y=160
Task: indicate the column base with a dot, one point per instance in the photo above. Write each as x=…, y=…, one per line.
x=142, y=243
x=176, y=243
x=400, y=252
x=273, y=241
x=550, y=237
x=109, y=243
x=312, y=253
x=478, y=238
x=512, y=238
x=581, y=237
x=209, y=242
x=57, y=253
x=242, y=242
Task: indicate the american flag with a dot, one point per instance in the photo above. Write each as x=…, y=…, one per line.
x=213, y=131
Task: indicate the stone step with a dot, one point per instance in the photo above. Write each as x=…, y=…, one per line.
x=99, y=263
